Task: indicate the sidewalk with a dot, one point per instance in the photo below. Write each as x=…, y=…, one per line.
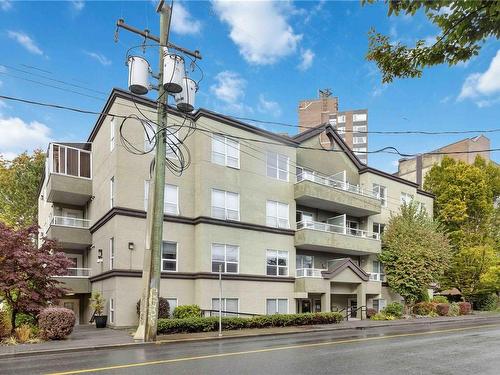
x=87, y=337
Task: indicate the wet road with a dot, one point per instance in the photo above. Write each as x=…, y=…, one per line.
x=446, y=348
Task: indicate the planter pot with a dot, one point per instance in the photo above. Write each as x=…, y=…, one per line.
x=100, y=321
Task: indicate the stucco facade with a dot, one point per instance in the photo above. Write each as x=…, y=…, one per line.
x=305, y=238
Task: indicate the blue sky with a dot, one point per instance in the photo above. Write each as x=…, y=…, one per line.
x=259, y=60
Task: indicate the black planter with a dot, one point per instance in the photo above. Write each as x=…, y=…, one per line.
x=100, y=321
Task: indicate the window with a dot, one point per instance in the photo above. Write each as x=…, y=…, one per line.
x=360, y=149
x=359, y=128
x=341, y=130
x=172, y=140
x=111, y=310
x=304, y=261
x=353, y=227
x=303, y=216
x=227, y=256
x=276, y=306
x=420, y=206
x=379, y=304
x=406, y=198
x=112, y=135
x=377, y=273
x=341, y=119
x=111, y=253
x=358, y=140
x=172, y=304
x=277, y=214
x=381, y=193
x=359, y=117
x=225, y=205
x=170, y=200
x=229, y=305
x=277, y=166
x=169, y=256
x=378, y=229
x=225, y=151
x=277, y=263
x=112, y=192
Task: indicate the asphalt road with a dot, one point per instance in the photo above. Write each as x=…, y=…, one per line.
x=471, y=348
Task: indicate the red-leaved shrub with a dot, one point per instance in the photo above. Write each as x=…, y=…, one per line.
x=465, y=308
x=424, y=308
x=370, y=312
x=56, y=322
x=442, y=309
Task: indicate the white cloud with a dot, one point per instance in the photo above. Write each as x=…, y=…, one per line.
x=26, y=41
x=78, y=5
x=307, y=57
x=314, y=11
x=268, y=106
x=18, y=136
x=230, y=87
x=103, y=60
x=5, y=5
x=480, y=85
x=183, y=22
x=259, y=28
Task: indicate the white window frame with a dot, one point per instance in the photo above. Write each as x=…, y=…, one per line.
x=377, y=189
x=280, y=254
x=172, y=139
x=112, y=310
x=358, y=140
x=276, y=301
x=170, y=309
x=226, y=142
x=225, y=261
x=379, y=231
x=112, y=134
x=174, y=202
x=111, y=253
x=341, y=119
x=362, y=150
x=112, y=192
x=377, y=273
x=170, y=260
x=359, y=128
x=359, y=117
x=224, y=306
x=406, y=198
x=380, y=306
x=225, y=208
x=300, y=264
x=275, y=157
x=275, y=215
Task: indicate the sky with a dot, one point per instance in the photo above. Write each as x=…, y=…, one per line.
x=259, y=59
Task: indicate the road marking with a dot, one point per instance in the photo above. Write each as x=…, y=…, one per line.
x=290, y=347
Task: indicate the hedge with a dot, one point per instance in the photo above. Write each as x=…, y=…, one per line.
x=230, y=323
x=424, y=308
x=187, y=311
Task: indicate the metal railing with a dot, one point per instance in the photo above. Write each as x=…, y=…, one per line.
x=376, y=276
x=78, y=272
x=325, y=227
x=319, y=178
x=208, y=312
x=309, y=272
x=70, y=222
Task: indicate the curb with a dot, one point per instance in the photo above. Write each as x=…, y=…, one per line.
x=210, y=338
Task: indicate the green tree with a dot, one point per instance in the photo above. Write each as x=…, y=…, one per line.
x=463, y=28
x=19, y=181
x=415, y=252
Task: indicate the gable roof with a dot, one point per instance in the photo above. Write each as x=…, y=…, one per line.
x=340, y=265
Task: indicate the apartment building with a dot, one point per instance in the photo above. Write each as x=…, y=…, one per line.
x=295, y=228
x=414, y=169
x=352, y=126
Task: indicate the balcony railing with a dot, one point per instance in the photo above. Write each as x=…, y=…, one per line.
x=309, y=272
x=303, y=174
x=78, y=272
x=325, y=227
x=70, y=222
x=69, y=161
x=376, y=276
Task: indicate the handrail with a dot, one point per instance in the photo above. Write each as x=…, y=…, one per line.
x=340, y=229
x=78, y=272
x=211, y=312
x=350, y=312
x=309, y=272
x=73, y=222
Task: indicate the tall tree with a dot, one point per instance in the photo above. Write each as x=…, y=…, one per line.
x=464, y=26
x=415, y=252
x=19, y=181
x=27, y=272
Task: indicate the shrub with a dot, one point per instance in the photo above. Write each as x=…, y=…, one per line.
x=187, y=311
x=23, y=333
x=440, y=299
x=465, y=308
x=424, y=308
x=442, y=309
x=56, y=322
x=230, y=323
x=370, y=312
x=97, y=303
x=395, y=309
x=163, y=308
x=383, y=316
x=454, y=309
x=28, y=319
x=5, y=325
x=486, y=302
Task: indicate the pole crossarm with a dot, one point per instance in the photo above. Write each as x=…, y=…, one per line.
x=145, y=33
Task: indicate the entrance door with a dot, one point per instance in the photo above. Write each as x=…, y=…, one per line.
x=353, y=305
x=73, y=305
x=317, y=305
x=305, y=305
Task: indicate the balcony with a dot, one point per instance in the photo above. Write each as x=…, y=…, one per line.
x=71, y=233
x=76, y=280
x=68, y=175
x=314, y=189
x=312, y=235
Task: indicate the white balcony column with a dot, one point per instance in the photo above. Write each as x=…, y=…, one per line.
x=326, y=305
x=361, y=300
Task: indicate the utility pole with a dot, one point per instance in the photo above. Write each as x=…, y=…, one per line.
x=151, y=276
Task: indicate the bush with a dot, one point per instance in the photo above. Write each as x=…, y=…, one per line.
x=370, y=312
x=424, y=308
x=187, y=311
x=56, y=322
x=23, y=333
x=487, y=302
x=383, y=316
x=198, y=324
x=163, y=308
x=442, y=309
x=28, y=319
x=440, y=299
x=395, y=309
x=454, y=309
x=465, y=308
x=5, y=326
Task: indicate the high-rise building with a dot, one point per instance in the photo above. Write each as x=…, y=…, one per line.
x=351, y=125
